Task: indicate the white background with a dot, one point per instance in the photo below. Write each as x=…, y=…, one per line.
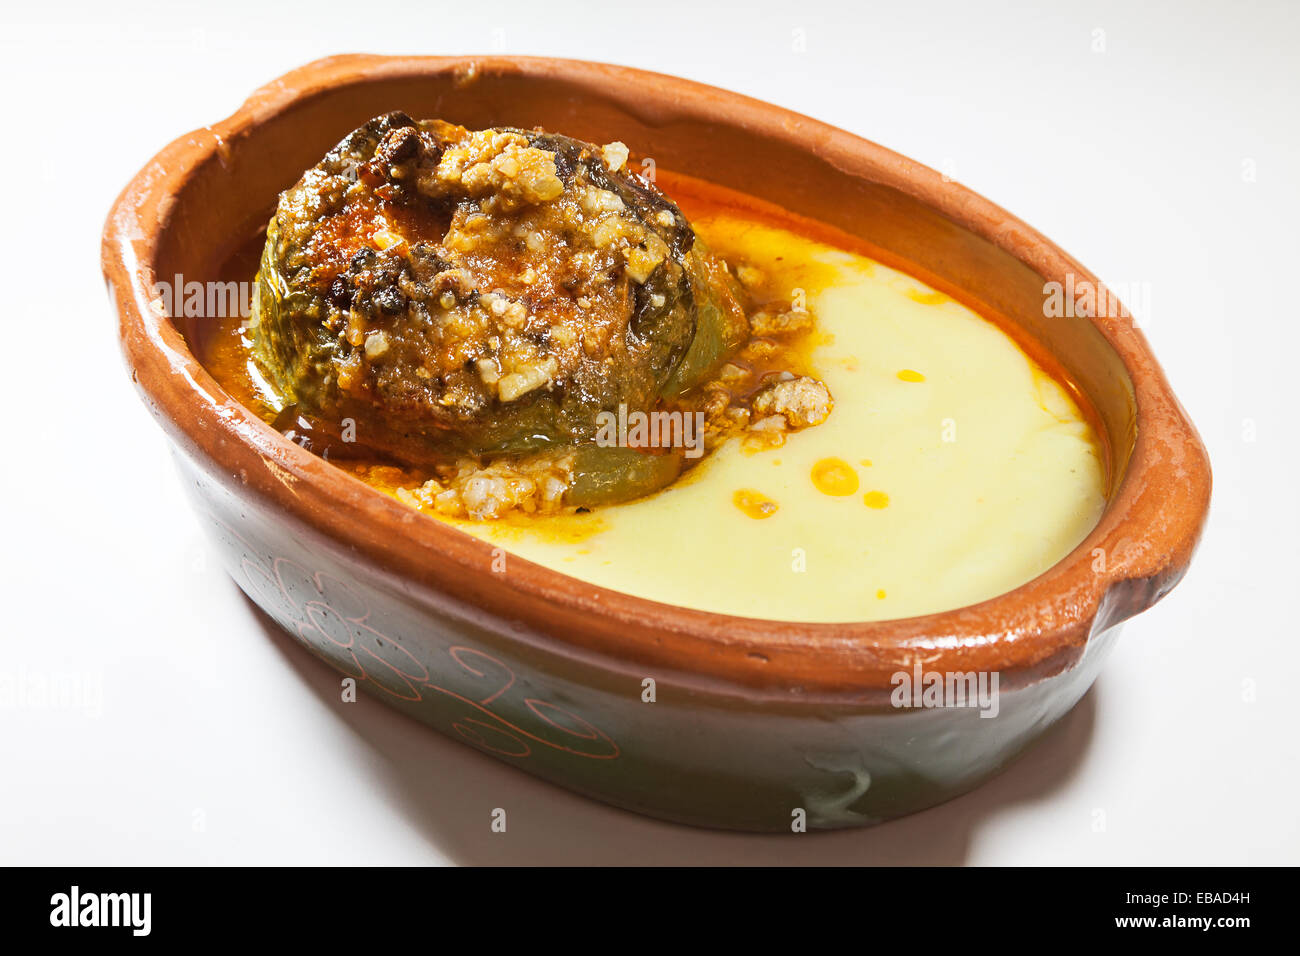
x=1168, y=158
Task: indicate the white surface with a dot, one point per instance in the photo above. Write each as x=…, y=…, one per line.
x=218, y=742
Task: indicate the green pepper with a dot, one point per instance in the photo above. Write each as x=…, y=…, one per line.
x=367, y=310
x=604, y=475
x=720, y=325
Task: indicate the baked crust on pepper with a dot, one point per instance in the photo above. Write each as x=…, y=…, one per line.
x=483, y=292
x=472, y=303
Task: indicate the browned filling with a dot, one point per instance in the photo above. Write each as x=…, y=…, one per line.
x=475, y=305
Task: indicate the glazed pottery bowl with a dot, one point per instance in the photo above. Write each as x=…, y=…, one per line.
x=752, y=724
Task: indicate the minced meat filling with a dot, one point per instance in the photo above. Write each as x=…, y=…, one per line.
x=486, y=287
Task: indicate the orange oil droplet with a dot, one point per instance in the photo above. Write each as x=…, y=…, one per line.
x=835, y=477
x=911, y=375
x=876, y=499
x=880, y=595
x=754, y=503
x=927, y=296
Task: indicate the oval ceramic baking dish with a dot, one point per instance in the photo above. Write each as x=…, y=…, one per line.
x=754, y=723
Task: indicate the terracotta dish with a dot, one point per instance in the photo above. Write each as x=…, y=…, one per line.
x=754, y=724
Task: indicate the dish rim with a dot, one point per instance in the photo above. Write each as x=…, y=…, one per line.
x=1026, y=634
